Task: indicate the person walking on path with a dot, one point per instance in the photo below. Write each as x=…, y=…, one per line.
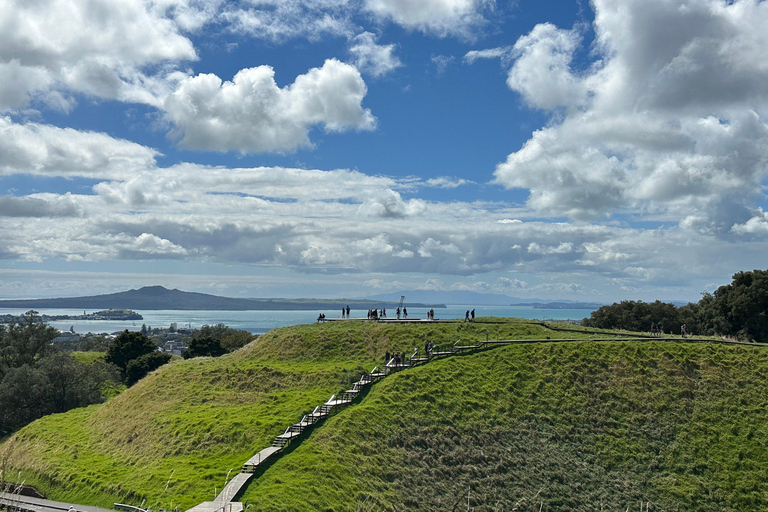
x=472, y=314
x=466, y=316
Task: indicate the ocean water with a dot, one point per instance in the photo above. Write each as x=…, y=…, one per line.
x=259, y=322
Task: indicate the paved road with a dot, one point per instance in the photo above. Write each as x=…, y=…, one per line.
x=12, y=501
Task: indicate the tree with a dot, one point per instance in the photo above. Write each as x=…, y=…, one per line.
x=229, y=339
x=738, y=309
x=636, y=316
x=128, y=345
x=142, y=365
x=23, y=342
x=235, y=340
x=204, y=346
x=56, y=383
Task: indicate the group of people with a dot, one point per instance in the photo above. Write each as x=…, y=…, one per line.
x=374, y=314
x=656, y=330
x=398, y=358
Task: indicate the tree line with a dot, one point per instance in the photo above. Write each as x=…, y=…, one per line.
x=38, y=378
x=738, y=309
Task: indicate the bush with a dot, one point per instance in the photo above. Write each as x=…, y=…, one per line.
x=204, y=346
x=127, y=347
x=53, y=384
x=141, y=366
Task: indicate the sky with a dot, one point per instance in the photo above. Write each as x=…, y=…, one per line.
x=562, y=149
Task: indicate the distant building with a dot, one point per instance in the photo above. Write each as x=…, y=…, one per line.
x=176, y=348
x=66, y=336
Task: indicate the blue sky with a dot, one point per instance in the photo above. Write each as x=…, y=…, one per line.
x=596, y=151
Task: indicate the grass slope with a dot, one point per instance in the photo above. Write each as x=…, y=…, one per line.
x=557, y=426
x=562, y=426
x=170, y=440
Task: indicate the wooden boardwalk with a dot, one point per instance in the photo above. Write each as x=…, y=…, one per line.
x=224, y=502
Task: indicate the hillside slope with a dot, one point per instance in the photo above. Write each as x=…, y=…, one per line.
x=548, y=426
x=561, y=426
x=171, y=439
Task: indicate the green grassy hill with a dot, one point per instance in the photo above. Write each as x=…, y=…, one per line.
x=555, y=426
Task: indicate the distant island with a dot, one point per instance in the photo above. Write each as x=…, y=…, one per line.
x=158, y=297
x=107, y=314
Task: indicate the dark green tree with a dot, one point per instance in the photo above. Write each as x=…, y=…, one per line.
x=235, y=340
x=23, y=342
x=636, y=316
x=204, y=346
x=142, y=365
x=738, y=309
x=128, y=345
x=53, y=384
x=230, y=339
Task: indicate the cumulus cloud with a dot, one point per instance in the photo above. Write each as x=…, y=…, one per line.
x=252, y=114
x=666, y=122
x=99, y=48
x=373, y=58
x=542, y=71
x=440, y=17
x=40, y=205
x=38, y=149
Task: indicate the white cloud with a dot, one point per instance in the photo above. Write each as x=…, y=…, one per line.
x=430, y=245
x=446, y=182
x=542, y=72
x=373, y=58
x=502, y=52
x=252, y=114
x=38, y=149
x=441, y=62
x=440, y=17
x=515, y=284
x=98, y=48
x=278, y=20
x=666, y=122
